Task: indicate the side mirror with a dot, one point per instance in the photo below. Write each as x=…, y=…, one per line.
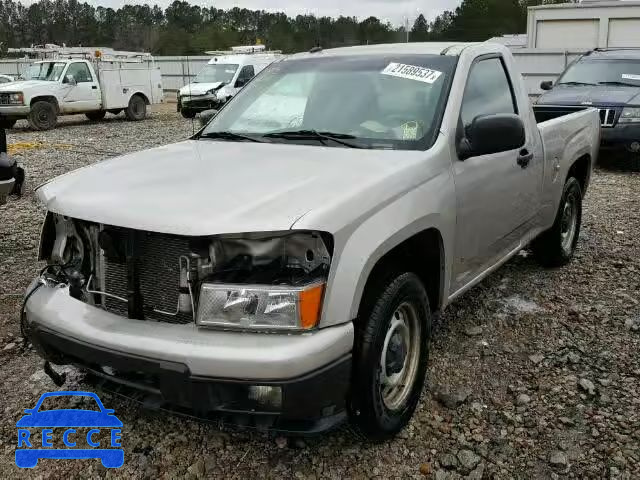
x=70, y=79
x=206, y=116
x=546, y=85
x=491, y=134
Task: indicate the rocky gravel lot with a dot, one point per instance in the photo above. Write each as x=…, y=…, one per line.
x=533, y=374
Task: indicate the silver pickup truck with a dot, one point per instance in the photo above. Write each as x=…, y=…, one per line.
x=280, y=269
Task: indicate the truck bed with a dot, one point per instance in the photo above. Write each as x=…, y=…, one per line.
x=544, y=113
x=567, y=133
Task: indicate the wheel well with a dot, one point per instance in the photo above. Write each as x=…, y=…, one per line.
x=50, y=99
x=580, y=170
x=144, y=97
x=422, y=254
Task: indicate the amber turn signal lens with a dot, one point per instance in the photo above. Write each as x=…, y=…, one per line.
x=311, y=306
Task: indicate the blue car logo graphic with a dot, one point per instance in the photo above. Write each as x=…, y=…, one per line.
x=32, y=447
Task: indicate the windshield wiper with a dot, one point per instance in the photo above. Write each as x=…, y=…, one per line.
x=624, y=84
x=226, y=135
x=315, y=135
x=575, y=83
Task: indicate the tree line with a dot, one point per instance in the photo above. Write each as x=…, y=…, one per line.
x=186, y=29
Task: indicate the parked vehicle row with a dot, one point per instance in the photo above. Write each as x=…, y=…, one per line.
x=281, y=268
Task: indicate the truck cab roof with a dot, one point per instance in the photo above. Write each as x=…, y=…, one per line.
x=245, y=59
x=412, y=48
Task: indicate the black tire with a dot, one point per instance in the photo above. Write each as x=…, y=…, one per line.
x=556, y=246
x=43, y=116
x=7, y=123
x=137, y=109
x=370, y=412
x=634, y=164
x=96, y=116
x=115, y=111
x=188, y=113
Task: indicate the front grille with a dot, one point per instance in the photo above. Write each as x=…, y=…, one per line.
x=157, y=259
x=607, y=117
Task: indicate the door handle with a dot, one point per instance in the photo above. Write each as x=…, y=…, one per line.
x=94, y=87
x=524, y=157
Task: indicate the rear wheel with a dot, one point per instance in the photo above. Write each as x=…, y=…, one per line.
x=390, y=357
x=97, y=115
x=556, y=246
x=43, y=116
x=137, y=109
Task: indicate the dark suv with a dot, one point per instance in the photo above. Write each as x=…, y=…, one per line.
x=608, y=79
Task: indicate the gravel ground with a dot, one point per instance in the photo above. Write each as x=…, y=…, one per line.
x=533, y=374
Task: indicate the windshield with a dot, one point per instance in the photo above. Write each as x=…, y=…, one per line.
x=603, y=71
x=216, y=72
x=375, y=101
x=50, y=71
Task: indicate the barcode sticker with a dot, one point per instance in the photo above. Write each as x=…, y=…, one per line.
x=411, y=72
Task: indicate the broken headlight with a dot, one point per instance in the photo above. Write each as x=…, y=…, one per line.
x=263, y=282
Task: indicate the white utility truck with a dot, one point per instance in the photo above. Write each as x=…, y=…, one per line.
x=80, y=80
x=225, y=74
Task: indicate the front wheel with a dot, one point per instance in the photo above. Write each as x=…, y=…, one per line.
x=43, y=116
x=390, y=357
x=137, y=108
x=188, y=113
x=556, y=246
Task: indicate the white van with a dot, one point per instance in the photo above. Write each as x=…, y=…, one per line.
x=223, y=77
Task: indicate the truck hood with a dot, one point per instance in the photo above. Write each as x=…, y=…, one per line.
x=206, y=187
x=199, y=88
x=22, y=85
x=605, y=95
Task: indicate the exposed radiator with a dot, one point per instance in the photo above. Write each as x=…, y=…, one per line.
x=158, y=260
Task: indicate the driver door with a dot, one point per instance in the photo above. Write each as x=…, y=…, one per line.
x=84, y=96
x=496, y=197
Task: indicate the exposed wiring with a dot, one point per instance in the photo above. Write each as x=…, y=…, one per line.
x=60, y=275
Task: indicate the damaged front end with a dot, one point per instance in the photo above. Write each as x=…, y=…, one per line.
x=259, y=281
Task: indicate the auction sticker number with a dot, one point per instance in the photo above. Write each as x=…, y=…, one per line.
x=411, y=72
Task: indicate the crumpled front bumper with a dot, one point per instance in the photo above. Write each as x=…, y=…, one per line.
x=205, y=373
x=198, y=103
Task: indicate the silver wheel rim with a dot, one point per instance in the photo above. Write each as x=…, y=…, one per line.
x=400, y=356
x=568, y=223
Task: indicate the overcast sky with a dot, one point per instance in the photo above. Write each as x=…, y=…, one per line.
x=394, y=11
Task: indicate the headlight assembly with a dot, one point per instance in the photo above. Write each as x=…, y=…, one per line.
x=260, y=307
x=16, y=98
x=211, y=92
x=630, y=115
